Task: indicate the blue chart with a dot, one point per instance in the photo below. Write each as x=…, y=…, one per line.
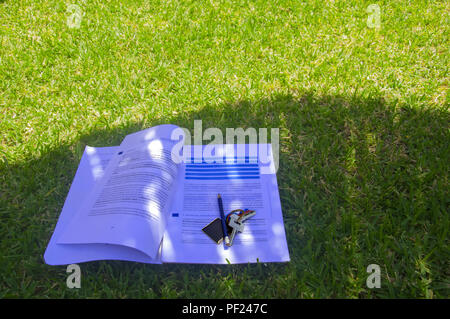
x=227, y=168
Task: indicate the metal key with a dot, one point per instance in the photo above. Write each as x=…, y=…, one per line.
x=237, y=224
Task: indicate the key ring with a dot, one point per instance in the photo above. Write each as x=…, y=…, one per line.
x=242, y=213
x=234, y=221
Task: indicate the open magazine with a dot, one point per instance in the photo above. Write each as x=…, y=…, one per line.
x=148, y=199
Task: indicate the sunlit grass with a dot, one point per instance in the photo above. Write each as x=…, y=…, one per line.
x=362, y=112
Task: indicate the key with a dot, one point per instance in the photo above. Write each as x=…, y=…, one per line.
x=237, y=224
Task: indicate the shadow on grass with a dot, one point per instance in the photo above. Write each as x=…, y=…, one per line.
x=361, y=182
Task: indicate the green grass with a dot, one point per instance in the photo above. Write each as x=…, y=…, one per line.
x=364, y=134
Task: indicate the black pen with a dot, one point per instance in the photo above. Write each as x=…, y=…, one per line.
x=224, y=225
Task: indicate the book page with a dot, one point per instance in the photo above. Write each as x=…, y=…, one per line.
x=91, y=169
x=128, y=206
x=241, y=185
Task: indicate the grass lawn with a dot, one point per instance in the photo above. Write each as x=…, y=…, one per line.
x=364, y=134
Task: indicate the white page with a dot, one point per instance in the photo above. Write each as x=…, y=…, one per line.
x=90, y=170
x=128, y=205
x=241, y=186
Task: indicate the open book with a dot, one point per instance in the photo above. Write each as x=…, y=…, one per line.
x=148, y=199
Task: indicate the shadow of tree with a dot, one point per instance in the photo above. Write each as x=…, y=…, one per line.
x=361, y=182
